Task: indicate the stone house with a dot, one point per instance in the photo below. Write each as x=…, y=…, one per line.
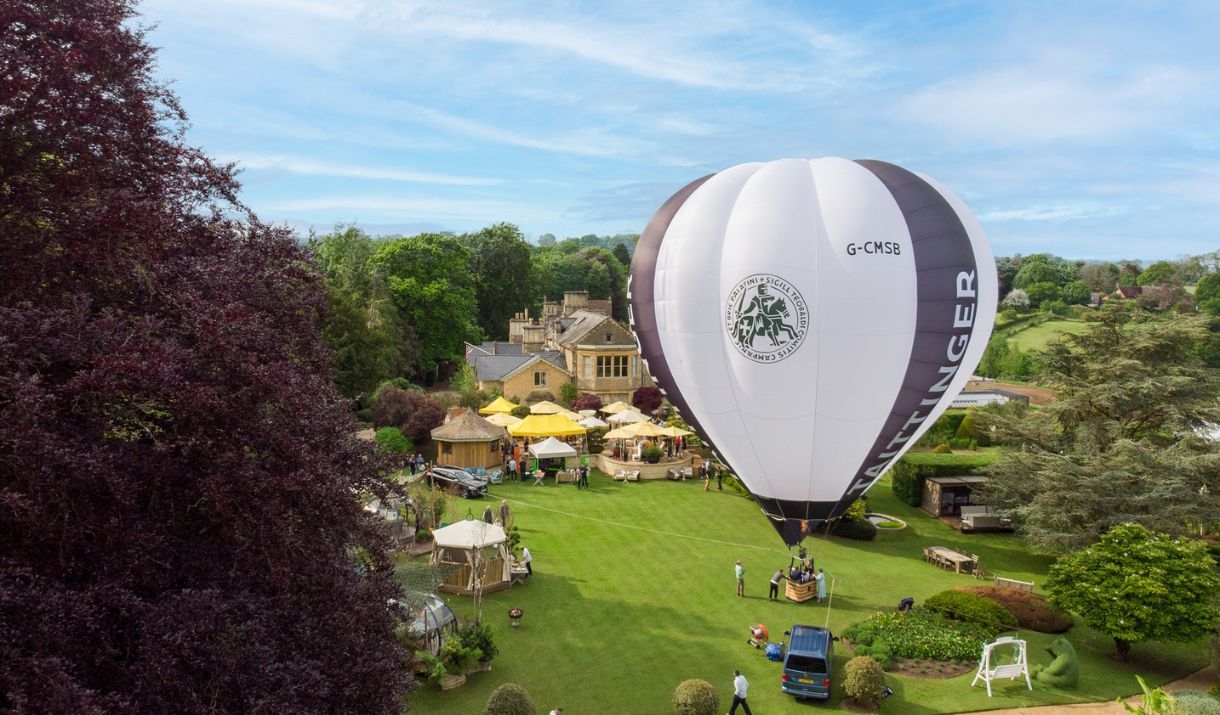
x=574, y=341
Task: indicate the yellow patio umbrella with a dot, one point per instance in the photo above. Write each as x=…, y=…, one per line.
x=545, y=426
x=645, y=429
x=616, y=407
x=502, y=419
x=621, y=433
x=574, y=416
x=546, y=407
x=498, y=406
x=672, y=431
x=626, y=416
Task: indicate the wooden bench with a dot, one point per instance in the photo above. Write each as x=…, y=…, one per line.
x=1002, y=582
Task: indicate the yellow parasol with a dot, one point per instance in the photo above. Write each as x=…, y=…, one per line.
x=498, y=406
x=546, y=407
x=502, y=419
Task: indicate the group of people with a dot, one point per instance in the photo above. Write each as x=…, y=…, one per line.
x=708, y=471
x=802, y=572
x=416, y=463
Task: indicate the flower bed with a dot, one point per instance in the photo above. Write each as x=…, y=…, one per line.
x=919, y=634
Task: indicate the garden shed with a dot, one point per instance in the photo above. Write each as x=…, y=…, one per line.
x=479, y=551
x=945, y=496
x=469, y=440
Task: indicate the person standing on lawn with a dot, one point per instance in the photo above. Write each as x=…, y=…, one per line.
x=821, y=585
x=773, y=593
x=740, y=686
x=740, y=572
x=527, y=560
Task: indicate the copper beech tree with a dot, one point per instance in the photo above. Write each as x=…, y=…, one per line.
x=178, y=526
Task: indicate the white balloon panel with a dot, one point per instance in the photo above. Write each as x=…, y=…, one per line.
x=804, y=316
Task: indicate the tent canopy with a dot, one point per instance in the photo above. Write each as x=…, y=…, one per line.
x=546, y=407
x=551, y=447
x=592, y=422
x=469, y=534
x=545, y=426
x=498, y=406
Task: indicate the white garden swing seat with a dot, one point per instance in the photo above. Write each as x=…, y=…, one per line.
x=988, y=671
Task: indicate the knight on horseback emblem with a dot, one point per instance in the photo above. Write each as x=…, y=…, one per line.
x=766, y=318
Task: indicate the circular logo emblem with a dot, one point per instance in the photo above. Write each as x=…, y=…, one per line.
x=766, y=317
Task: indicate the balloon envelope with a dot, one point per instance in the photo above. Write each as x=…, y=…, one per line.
x=811, y=319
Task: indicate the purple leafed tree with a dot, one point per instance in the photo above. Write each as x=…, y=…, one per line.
x=178, y=526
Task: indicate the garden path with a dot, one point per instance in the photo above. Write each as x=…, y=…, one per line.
x=1201, y=681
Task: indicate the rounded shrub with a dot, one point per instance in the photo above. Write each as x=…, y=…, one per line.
x=510, y=699
x=1193, y=702
x=863, y=679
x=696, y=697
x=859, y=529
x=966, y=606
x=391, y=440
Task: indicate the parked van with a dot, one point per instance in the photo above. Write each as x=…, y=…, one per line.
x=807, y=667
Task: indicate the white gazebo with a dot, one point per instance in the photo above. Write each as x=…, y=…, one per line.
x=479, y=550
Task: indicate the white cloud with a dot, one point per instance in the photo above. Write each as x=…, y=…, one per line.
x=297, y=165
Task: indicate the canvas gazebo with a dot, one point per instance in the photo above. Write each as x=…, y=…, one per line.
x=545, y=426
x=480, y=552
x=469, y=441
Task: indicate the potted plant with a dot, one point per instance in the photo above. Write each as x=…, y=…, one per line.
x=457, y=658
x=478, y=636
x=652, y=454
x=514, y=616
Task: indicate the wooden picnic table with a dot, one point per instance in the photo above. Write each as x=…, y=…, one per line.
x=948, y=557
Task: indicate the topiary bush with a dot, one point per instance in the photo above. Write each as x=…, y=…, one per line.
x=1193, y=702
x=510, y=699
x=966, y=606
x=696, y=697
x=863, y=679
x=859, y=529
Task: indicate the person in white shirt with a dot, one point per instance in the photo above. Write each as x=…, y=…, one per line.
x=527, y=559
x=740, y=686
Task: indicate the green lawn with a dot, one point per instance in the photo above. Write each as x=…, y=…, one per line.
x=1037, y=336
x=633, y=592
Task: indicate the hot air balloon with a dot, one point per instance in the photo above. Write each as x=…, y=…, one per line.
x=811, y=319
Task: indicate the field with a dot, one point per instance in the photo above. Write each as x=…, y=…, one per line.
x=1037, y=336
x=633, y=592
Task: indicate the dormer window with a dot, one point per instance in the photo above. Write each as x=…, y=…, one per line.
x=609, y=337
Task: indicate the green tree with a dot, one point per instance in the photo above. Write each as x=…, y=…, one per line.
x=466, y=383
x=1044, y=292
x=1101, y=277
x=428, y=277
x=1077, y=293
x=501, y=267
x=1135, y=585
x=1121, y=443
x=1159, y=273
x=510, y=699
x=1207, y=293
x=369, y=339
x=1044, y=268
x=622, y=254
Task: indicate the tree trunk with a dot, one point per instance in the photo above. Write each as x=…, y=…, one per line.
x=1124, y=649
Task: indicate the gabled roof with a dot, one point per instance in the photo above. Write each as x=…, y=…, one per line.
x=496, y=368
x=573, y=328
x=468, y=427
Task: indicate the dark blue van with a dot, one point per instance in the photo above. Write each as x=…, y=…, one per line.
x=807, y=663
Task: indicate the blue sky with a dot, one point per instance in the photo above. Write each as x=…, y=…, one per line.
x=1084, y=129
